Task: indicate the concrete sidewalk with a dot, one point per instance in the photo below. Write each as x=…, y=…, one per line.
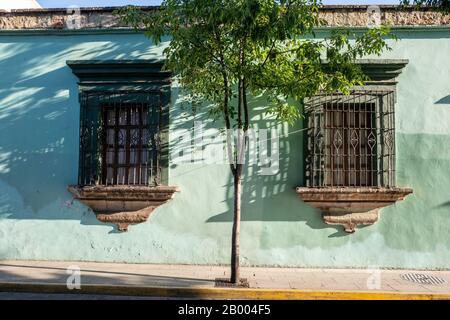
x=196, y=281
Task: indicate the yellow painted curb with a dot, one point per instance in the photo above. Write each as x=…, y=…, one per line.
x=221, y=293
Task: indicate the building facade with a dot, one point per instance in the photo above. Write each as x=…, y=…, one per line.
x=363, y=181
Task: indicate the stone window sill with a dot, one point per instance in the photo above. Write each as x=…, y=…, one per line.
x=123, y=205
x=351, y=207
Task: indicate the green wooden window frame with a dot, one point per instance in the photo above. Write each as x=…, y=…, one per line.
x=125, y=83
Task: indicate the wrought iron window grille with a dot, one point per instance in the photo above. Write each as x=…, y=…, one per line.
x=120, y=140
x=351, y=139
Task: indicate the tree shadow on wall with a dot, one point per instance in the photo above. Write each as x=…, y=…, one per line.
x=39, y=122
x=444, y=100
x=444, y=205
x=272, y=197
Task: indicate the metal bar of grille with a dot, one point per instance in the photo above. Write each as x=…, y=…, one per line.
x=128, y=145
x=141, y=143
x=351, y=139
x=91, y=147
x=157, y=178
x=81, y=157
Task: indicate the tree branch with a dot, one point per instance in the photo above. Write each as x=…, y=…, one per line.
x=244, y=103
x=268, y=54
x=226, y=113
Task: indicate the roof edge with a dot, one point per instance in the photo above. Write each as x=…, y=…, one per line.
x=149, y=8
x=334, y=15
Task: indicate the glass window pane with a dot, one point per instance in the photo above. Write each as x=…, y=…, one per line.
x=110, y=117
x=123, y=116
x=126, y=154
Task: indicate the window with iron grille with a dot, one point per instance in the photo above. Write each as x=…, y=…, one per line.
x=351, y=139
x=120, y=140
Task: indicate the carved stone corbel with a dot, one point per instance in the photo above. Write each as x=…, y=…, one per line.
x=350, y=207
x=123, y=205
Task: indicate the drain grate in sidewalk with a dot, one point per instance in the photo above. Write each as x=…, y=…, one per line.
x=423, y=278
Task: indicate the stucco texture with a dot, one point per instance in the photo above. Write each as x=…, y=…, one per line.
x=39, y=141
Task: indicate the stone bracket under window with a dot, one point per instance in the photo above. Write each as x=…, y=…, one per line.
x=350, y=207
x=123, y=205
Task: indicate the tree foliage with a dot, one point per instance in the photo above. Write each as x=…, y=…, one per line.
x=270, y=45
x=223, y=50
x=442, y=5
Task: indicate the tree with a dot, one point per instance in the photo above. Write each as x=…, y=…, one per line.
x=442, y=5
x=223, y=50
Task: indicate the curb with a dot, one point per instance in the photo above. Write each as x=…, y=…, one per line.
x=220, y=293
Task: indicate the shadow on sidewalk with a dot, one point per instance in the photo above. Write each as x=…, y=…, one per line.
x=57, y=275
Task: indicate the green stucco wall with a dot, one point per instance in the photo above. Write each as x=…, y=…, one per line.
x=39, y=121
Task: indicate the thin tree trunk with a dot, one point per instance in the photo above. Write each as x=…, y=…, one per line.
x=235, y=267
x=237, y=174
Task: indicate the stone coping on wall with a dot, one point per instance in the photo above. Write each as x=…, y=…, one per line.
x=104, y=18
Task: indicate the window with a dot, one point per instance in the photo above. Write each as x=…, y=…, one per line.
x=127, y=144
x=350, y=149
x=350, y=141
x=120, y=141
x=123, y=154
